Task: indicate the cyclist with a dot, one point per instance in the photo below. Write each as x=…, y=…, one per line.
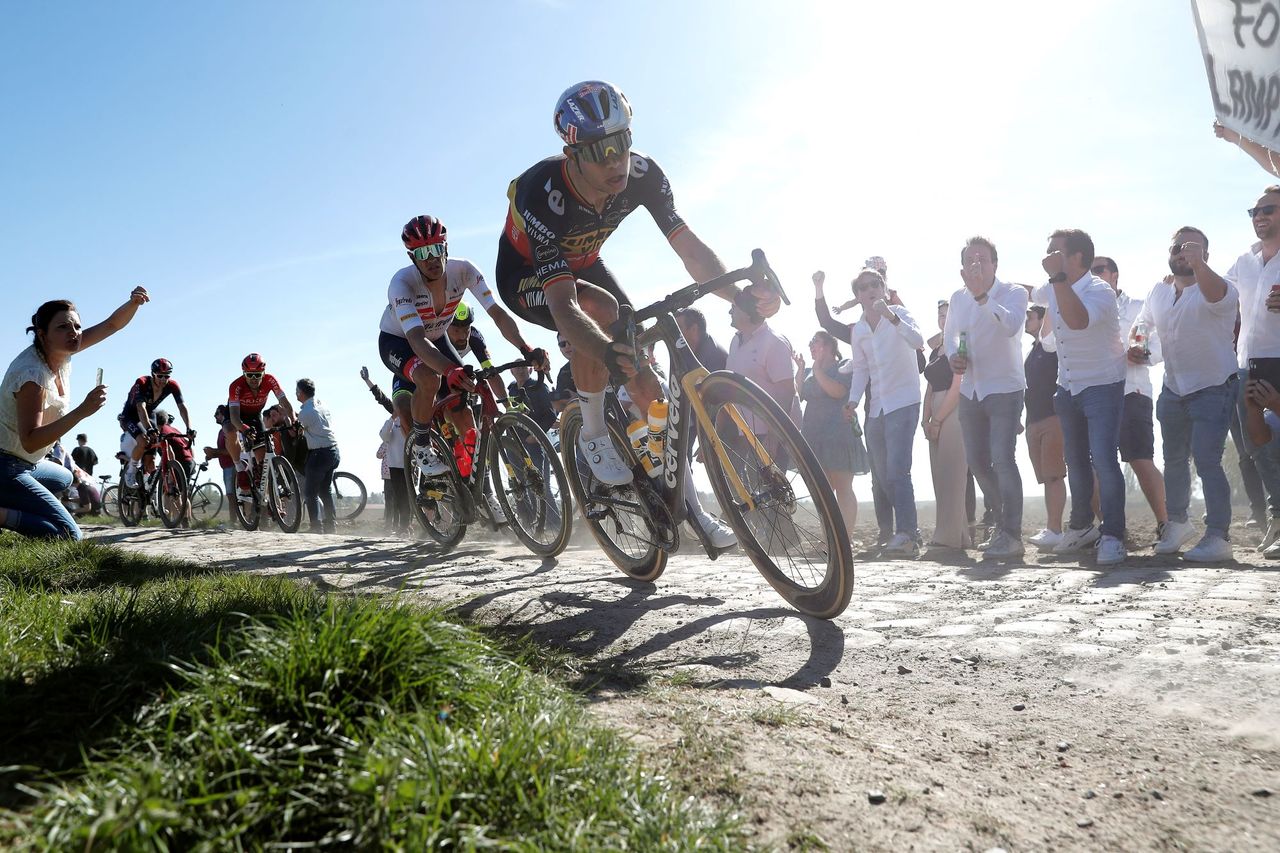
x=412, y=341
x=549, y=270
x=137, y=420
x=466, y=339
x=245, y=400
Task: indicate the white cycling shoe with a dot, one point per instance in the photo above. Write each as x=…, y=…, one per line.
x=428, y=461
x=607, y=464
x=719, y=534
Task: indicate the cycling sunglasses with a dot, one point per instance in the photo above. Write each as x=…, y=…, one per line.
x=162, y=375
x=431, y=250
x=1264, y=209
x=257, y=375
x=615, y=143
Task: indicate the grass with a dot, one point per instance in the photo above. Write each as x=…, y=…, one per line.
x=149, y=704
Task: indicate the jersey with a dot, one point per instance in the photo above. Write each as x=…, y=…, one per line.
x=252, y=402
x=559, y=234
x=409, y=303
x=475, y=344
x=141, y=392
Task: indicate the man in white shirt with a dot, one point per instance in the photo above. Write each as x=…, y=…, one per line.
x=1085, y=320
x=1254, y=276
x=884, y=344
x=1137, y=424
x=1195, y=320
x=991, y=316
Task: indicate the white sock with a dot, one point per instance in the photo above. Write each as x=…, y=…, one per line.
x=593, y=423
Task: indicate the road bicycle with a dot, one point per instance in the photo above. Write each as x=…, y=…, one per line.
x=110, y=497
x=770, y=487
x=349, y=495
x=525, y=488
x=164, y=487
x=206, y=497
x=274, y=484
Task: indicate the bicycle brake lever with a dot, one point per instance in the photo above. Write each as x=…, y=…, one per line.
x=760, y=266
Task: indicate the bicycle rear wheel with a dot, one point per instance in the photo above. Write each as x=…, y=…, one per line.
x=171, y=494
x=616, y=516
x=793, y=530
x=284, y=497
x=529, y=484
x=349, y=495
x=206, y=502
x=111, y=502
x=437, y=500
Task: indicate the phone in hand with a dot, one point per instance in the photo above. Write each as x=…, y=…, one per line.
x=1267, y=369
x=99, y=382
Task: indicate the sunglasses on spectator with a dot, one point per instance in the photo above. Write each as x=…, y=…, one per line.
x=257, y=375
x=602, y=149
x=1264, y=209
x=431, y=250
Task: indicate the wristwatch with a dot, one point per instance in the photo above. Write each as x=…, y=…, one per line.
x=1059, y=278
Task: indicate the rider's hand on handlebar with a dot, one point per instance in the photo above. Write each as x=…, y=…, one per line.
x=459, y=379
x=621, y=360
x=768, y=302
x=538, y=359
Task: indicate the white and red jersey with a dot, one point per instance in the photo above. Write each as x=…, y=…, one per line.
x=251, y=402
x=409, y=303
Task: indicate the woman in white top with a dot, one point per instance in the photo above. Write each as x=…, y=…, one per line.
x=35, y=411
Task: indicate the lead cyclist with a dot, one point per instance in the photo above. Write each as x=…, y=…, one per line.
x=549, y=271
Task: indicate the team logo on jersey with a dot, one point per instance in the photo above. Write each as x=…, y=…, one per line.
x=639, y=166
x=545, y=253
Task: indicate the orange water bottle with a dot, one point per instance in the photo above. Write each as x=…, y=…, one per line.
x=464, y=450
x=658, y=411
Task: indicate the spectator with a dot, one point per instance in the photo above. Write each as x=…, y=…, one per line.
x=1137, y=425
x=824, y=390
x=83, y=454
x=536, y=395
x=321, y=460
x=36, y=410
x=289, y=442
x=1044, y=431
x=693, y=327
x=1253, y=275
x=219, y=452
x=1195, y=318
x=947, y=461
x=992, y=316
x=397, y=494
x=566, y=391
x=1085, y=320
x=885, y=342
x=1265, y=157
x=762, y=355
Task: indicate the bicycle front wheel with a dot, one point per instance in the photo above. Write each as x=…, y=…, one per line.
x=171, y=494
x=133, y=504
x=786, y=516
x=349, y=495
x=206, y=502
x=529, y=484
x=437, y=499
x=284, y=498
x=616, y=516
x=111, y=502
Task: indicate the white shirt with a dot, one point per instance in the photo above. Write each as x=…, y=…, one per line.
x=994, y=332
x=1093, y=355
x=409, y=299
x=764, y=357
x=30, y=367
x=1137, y=377
x=1259, y=328
x=1197, y=336
x=886, y=356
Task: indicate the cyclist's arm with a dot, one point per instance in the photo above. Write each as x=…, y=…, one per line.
x=700, y=261
x=284, y=404
x=186, y=416
x=143, y=414
x=426, y=351
x=233, y=415
x=510, y=330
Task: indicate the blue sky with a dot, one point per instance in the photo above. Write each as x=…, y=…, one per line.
x=252, y=164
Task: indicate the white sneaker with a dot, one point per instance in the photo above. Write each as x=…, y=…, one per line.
x=1273, y=533
x=1004, y=547
x=720, y=534
x=1176, y=535
x=428, y=461
x=992, y=536
x=902, y=545
x=1045, y=540
x=1210, y=549
x=605, y=461
x=1111, y=551
x=1077, y=540
x=131, y=477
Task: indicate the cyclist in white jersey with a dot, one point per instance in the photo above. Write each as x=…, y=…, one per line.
x=412, y=340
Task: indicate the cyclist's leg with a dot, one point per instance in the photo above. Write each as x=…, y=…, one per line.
x=397, y=356
x=460, y=416
x=132, y=445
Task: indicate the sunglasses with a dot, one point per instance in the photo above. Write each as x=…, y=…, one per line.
x=162, y=375
x=431, y=250
x=253, y=375
x=602, y=149
x=1264, y=209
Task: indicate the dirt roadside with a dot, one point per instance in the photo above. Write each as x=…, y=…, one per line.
x=953, y=706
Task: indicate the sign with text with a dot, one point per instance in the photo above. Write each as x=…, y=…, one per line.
x=1240, y=40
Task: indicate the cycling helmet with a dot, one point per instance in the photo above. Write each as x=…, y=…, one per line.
x=462, y=315
x=162, y=365
x=590, y=111
x=423, y=231
x=253, y=363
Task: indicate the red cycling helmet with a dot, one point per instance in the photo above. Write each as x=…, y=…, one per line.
x=162, y=365
x=423, y=231
x=253, y=363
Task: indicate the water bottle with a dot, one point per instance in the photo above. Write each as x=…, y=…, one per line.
x=638, y=434
x=464, y=449
x=658, y=411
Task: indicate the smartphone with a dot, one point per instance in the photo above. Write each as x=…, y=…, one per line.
x=1267, y=369
x=99, y=382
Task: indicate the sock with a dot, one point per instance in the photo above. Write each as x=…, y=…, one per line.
x=593, y=423
x=421, y=433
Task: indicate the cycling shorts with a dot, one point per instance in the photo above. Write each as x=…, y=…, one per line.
x=520, y=290
x=399, y=358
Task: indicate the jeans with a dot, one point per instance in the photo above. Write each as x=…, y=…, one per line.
x=889, y=439
x=1267, y=464
x=1195, y=426
x=1091, y=432
x=1249, y=478
x=317, y=486
x=990, y=429
x=29, y=490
